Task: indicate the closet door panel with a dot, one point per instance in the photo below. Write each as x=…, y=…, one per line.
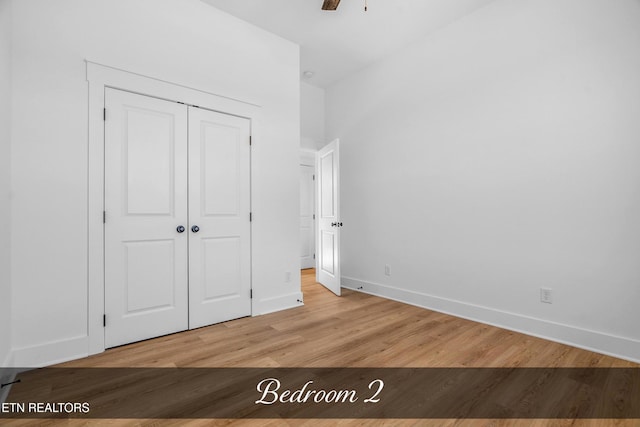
x=222, y=270
x=219, y=207
x=146, y=264
x=221, y=168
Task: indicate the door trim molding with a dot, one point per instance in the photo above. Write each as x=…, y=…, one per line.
x=100, y=77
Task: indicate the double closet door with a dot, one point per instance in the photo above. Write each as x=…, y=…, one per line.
x=177, y=225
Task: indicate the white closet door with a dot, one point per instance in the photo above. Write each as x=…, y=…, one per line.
x=145, y=201
x=219, y=225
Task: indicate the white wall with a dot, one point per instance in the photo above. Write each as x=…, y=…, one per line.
x=180, y=41
x=312, y=116
x=5, y=180
x=500, y=156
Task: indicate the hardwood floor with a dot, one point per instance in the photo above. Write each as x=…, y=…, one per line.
x=355, y=330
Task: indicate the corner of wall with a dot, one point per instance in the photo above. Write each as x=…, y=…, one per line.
x=6, y=25
x=7, y=375
x=312, y=116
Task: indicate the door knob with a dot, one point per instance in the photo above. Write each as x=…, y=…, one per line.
x=333, y=224
x=195, y=228
x=180, y=229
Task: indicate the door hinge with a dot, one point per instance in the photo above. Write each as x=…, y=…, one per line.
x=314, y=256
x=250, y=216
x=104, y=320
x=104, y=217
x=104, y=114
x=250, y=141
x=314, y=217
x=251, y=293
x=314, y=177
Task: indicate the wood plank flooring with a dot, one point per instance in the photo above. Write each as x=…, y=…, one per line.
x=355, y=330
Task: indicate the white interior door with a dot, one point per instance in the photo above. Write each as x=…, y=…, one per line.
x=307, y=217
x=219, y=223
x=145, y=203
x=328, y=202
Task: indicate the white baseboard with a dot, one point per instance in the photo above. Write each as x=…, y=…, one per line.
x=61, y=351
x=620, y=347
x=51, y=353
x=283, y=302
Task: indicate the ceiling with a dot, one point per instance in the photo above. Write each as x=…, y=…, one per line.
x=334, y=44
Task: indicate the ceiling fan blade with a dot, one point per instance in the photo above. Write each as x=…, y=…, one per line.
x=330, y=4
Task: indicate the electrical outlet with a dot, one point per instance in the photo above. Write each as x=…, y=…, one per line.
x=546, y=295
x=287, y=276
x=387, y=270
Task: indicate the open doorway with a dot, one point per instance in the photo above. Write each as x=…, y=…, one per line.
x=320, y=222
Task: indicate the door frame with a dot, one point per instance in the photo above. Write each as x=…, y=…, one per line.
x=100, y=77
x=308, y=158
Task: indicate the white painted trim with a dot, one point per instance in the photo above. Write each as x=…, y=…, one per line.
x=51, y=353
x=610, y=345
x=282, y=302
x=100, y=77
